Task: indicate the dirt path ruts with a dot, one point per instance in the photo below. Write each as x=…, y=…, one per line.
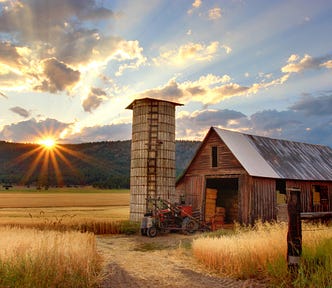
x=137, y=261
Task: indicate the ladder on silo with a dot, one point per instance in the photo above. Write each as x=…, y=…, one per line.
x=152, y=144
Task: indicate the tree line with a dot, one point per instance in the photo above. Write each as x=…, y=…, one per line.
x=101, y=164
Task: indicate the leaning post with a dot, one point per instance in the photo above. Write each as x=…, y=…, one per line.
x=294, y=235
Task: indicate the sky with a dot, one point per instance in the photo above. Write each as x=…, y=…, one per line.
x=69, y=68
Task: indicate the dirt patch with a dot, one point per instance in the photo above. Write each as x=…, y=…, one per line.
x=164, y=261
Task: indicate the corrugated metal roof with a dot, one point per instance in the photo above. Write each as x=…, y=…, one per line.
x=246, y=153
x=275, y=158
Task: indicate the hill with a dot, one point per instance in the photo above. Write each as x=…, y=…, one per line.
x=102, y=164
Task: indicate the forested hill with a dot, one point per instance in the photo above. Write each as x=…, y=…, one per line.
x=102, y=164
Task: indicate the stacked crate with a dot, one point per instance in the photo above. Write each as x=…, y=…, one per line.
x=218, y=219
x=210, y=203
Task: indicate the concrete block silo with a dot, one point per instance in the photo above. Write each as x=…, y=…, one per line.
x=152, y=171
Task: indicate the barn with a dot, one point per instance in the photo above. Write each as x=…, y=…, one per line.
x=247, y=176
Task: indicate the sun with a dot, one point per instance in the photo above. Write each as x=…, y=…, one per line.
x=48, y=143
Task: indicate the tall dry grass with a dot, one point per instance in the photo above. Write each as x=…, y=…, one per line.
x=244, y=252
x=33, y=258
x=250, y=252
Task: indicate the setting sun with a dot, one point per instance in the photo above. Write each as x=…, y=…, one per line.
x=48, y=143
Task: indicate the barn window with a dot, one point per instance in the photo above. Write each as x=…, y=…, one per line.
x=214, y=154
x=320, y=199
x=281, y=191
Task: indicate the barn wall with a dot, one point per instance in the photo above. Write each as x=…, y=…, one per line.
x=245, y=195
x=306, y=192
x=263, y=199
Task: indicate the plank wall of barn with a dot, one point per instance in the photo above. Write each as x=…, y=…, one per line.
x=263, y=199
x=306, y=192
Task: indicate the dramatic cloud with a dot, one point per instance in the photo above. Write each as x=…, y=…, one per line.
x=71, y=37
x=288, y=124
x=209, y=89
x=196, y=123
x=9, y=55
x=188, y=53
x=307, y=62
x=37, y=20
x=31, y=130
x=309, y=105
x=60, y=77
x=20, y=111
x=95, y=98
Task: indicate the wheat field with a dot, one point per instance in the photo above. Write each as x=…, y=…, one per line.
x=250, y=252
x=82, y=209
x=33, y=258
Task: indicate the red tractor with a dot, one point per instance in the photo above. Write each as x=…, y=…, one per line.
x=166, y=217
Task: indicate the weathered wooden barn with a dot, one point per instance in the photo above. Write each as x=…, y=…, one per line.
x=251, y=176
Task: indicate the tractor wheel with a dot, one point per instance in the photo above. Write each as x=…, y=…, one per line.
x=152, y=232
x=189, y=225
x=144, y=231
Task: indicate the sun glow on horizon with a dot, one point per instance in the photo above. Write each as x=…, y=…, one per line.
x=48, y=142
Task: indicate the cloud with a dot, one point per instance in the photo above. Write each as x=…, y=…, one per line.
x=196, y=4
x=208, y=89
x=170, y=92
x=298, y=123
x=31, y=130
x=310, y=105
x=214, y=13
x=128, y=51
x=71, y=36
x=9, y=55
x=59, y=76
x=327, y=64
x=94, y=99
x=20, y=111
x=188, y=53
x=101, y=133
x=296, y=65
x=196, y=123
x=37, y=20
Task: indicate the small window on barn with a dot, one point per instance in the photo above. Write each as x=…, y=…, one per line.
x=281, y=191
x=320, y=198
x=214, y=154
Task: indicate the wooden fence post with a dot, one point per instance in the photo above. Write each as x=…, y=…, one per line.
x=294, y=235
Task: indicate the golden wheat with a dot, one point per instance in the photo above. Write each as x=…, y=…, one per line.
x=248, y=251
x=29, y=256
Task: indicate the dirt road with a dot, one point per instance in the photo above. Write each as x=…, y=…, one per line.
x=164, y=261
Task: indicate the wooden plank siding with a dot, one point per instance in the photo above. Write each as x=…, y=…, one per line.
x=263, y=200
x=306, y=192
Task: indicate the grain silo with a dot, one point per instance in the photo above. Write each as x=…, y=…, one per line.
x=152, y=172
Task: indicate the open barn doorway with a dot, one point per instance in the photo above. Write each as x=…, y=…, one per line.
x=222, y=195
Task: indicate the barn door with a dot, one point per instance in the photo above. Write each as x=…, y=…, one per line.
x=226, y=191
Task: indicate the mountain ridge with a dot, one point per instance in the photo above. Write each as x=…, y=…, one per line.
x=103, y=164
